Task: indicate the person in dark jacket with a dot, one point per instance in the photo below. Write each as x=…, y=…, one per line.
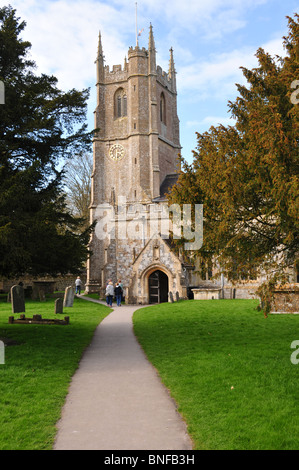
x=118, y=294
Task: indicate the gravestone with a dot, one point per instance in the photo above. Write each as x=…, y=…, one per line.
x=69, y=297
x=59, y=305
x=17, y=299
x=170, y=297
x=177, y=296
x=42, y=295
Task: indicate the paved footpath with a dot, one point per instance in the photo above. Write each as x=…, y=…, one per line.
x=116, y=400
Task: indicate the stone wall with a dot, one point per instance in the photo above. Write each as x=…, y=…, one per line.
x=61, y=282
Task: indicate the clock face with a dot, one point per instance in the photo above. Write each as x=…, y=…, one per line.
x=116, y=152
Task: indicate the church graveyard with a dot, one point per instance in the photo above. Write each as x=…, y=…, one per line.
x=17, y=299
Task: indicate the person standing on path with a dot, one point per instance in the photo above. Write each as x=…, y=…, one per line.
x=109, y=293
x=118, y=294
x=78, y=284
x=122, y=289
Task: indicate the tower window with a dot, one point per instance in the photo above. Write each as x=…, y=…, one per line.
x=162, y=109
x=120, y=104
x=124, y=105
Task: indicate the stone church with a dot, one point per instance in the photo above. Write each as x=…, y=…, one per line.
x=136, y=161
x=136, y=148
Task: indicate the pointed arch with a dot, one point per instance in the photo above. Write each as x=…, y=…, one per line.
x=145, y=281
x=120, y=103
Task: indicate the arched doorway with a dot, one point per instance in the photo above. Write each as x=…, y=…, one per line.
x=158, y=287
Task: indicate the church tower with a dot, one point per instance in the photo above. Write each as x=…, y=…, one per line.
x=136, y=150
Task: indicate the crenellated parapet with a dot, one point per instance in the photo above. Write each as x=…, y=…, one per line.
x=165, y=79
x=116, y=74
x=136, y=51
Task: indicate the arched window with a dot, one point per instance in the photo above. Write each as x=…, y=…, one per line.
x=162, y=109
x=120, y=103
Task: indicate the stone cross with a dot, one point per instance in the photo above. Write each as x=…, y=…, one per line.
x=59, y=305
x=69, y=297
x=17, y=299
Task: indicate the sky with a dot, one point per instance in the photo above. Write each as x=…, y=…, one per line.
x=211, y=40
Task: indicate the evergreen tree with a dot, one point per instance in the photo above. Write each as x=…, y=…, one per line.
x=39, y=125
x=246, y=176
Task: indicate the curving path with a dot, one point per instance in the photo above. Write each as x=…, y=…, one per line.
x=116, y=400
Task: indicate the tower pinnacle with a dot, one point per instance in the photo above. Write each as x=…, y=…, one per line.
x=152, y=51
x=151, y=41
x=171, y=71
x=100, y=48
x=100, y=60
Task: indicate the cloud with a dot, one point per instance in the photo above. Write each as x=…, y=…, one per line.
x=217, y=75
x=64, y=33
x=64, y=37
x=208, y=15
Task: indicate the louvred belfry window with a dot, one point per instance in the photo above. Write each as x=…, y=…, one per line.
x=162, y=109
x=120, y=104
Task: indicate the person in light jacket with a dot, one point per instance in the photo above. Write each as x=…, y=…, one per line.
x=109, y=293
x=78, y=284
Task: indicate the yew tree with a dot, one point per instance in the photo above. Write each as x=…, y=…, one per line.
x=246, y=175
x=40, y=125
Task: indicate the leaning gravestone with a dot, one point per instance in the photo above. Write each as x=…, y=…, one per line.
x=17, y=299
x=59, y=305
x=69, y=297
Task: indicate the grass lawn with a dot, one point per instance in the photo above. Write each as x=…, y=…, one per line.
x=229, y=370
x=35, y=377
